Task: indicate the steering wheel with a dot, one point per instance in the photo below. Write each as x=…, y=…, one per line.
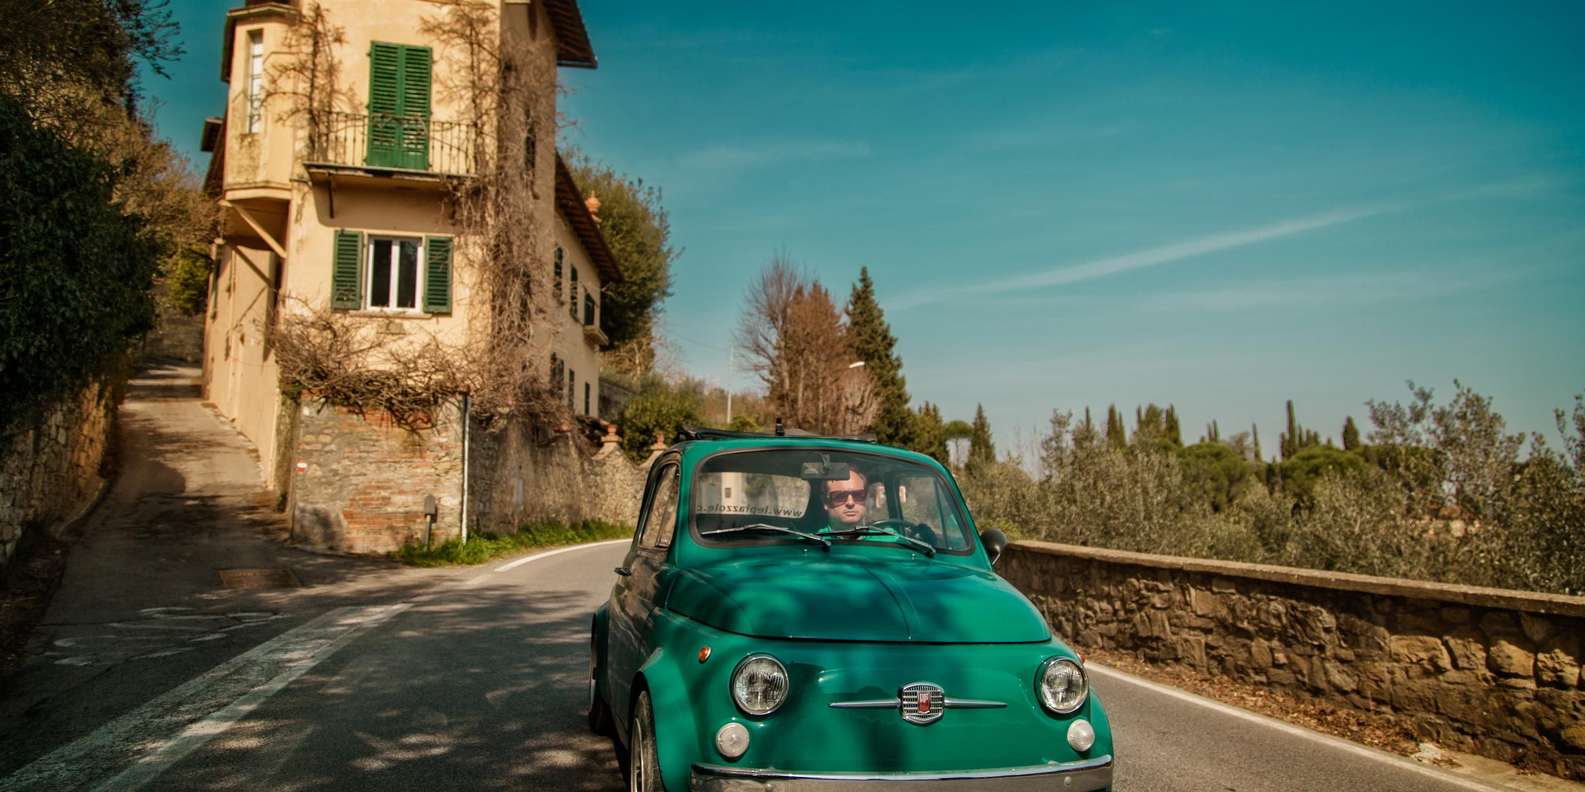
x=912, y=530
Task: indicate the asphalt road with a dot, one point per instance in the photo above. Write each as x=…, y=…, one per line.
x=479, y=683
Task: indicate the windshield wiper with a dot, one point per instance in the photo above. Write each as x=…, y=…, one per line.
x=768, y=527
x=924, y=547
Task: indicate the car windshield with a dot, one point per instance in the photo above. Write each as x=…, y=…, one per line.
x=787, y=495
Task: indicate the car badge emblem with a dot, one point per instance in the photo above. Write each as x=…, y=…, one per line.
x=922, y=702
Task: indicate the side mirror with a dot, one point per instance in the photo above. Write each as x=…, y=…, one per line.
x=995, y=543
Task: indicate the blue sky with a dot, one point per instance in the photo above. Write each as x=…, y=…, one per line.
x=1221, y=207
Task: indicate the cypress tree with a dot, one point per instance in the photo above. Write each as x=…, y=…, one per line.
x=981, y=450
x=1350, y=434
x=872, y=341
x=929, y=433
x=1254, y=432
x=1116, y=434
x=1290, y=439
x=1173, y=431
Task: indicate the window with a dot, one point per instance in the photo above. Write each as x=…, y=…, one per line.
x=586, y=397
x=572, y=296
x=572, y=388
x=255, y=81
x=557, y=287
x=588, y=309
x=393, y=274
x=661, y=521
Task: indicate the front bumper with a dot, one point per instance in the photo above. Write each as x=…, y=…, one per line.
x=1086, y=775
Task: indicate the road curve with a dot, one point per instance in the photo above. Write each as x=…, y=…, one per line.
x=481, y=684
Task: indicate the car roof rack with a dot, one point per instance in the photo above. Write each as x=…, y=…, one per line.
x=687, y=433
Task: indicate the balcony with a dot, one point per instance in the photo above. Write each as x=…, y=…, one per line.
x=383, y=145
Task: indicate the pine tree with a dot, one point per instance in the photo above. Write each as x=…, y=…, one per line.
x=1116, y=434
x=1350, y=434
x=872, y=342
x=981, y=450
x=929, y=433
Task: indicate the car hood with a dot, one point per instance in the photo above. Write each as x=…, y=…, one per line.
x=852, y=598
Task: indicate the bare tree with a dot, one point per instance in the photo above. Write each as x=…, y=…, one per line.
x=793, y=336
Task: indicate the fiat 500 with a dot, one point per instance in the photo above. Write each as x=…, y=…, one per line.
x=809, y=613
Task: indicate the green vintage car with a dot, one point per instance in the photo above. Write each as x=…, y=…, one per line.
x=818, y=613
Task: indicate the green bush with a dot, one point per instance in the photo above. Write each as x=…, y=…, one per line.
x=1215, y=472
x=75, y=272
x=1302, y=471
x=658, y=407
x=488, y=546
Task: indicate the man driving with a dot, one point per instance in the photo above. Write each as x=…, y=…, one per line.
x=845, y=502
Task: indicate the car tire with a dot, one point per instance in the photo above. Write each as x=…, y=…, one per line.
x=599, y=711
x=643, y=761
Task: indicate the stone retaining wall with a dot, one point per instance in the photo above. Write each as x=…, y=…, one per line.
x=357, y=483
x=49, y=470
x=1486, y=671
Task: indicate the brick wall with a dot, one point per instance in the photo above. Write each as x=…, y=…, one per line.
x=49, y=470
x=358, y=482
x=1487, y=671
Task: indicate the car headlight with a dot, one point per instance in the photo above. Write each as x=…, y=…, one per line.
x=759, y=684
x=1061, y=686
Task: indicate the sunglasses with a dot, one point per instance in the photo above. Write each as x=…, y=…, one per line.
x=839, y=497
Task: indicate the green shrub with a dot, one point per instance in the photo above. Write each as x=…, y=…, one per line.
x=1302, y=471
x=1215, y=473
x=75, y=272
x=488, y=546
x=658, y=407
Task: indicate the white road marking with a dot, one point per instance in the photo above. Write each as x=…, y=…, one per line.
x=195, y=736
x=510, y=565
x=1288, y=728
x=188, y=710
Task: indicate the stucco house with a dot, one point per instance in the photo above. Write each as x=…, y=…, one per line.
x=340, y=202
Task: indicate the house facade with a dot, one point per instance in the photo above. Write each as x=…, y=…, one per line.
x=349, y=129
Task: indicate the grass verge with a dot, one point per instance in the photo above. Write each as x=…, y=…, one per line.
x=488, y=546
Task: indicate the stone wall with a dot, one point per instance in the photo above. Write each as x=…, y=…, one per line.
x=358, y=482
x=519, y=475
x=175, y=335
x=50, y=468
x=1486, y=671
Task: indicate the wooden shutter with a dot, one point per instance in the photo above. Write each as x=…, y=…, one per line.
x=346, y=272
x=385, y=104
x=437, y=275
x=415, y=79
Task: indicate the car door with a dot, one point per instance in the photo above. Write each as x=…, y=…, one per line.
x=633, y=598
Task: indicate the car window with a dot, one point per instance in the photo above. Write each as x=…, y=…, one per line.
x=922, y=499
x=756, y=497
x=661, y=522
x=751, y=494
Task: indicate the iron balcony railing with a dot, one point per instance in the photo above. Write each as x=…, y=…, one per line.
x=394, y=142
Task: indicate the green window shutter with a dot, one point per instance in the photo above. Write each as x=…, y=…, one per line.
x=346, y=272
x=415, y=81
x=385, y=105
x=437, y=275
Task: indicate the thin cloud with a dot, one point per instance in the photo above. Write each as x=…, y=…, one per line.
x=737, y=157
x=1096, y=269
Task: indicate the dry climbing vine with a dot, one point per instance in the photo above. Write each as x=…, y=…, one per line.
x=503, y=213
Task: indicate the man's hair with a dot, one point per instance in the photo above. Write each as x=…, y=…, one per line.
x=852, y=470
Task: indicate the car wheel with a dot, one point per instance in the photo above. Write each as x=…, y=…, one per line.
x=643, y=762
x=599, y=710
